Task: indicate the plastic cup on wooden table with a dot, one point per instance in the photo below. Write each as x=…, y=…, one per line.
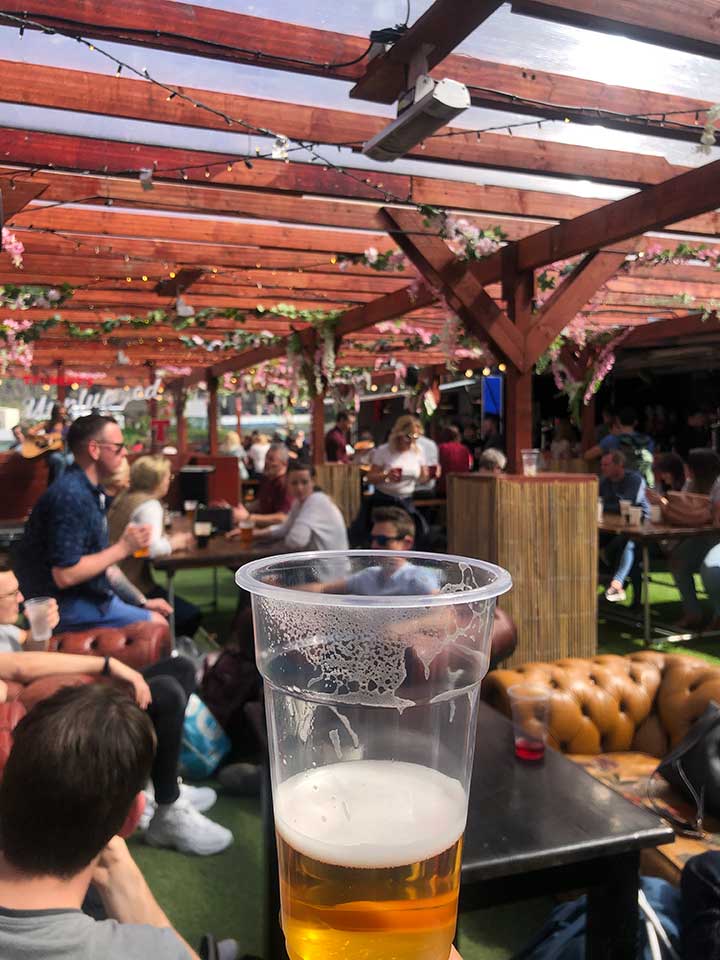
x=530, y=462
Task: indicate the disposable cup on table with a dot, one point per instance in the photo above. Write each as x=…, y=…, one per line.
x=635, y=516
x=530, y=462
x=202, y=530
x=530, y=706
x=190, y=506
x=624, y=506
x=247, y=529
x=371, y=708
x=600, y=510
x=37, y=612
x=655, y=513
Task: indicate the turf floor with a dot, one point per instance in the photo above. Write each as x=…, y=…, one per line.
x=223, y=894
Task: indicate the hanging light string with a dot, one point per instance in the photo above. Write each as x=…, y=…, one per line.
x=302, y=145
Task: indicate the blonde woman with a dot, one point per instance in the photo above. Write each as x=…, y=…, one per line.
x=232, y=447
x=396, y=467
x=141, y=503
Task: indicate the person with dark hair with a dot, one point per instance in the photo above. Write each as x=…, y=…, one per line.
x=490, y=435
x=55, y=428
x=670, y=475
x=636, y=447
x=71, y=791
x=691, y=556
x=64, y=552
x=337, y=439
x=18, y=437
x=619, y=483
x=173, y=812
x=314, y=521
x=453, y=456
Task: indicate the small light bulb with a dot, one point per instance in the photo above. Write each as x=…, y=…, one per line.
x=502, y=367
x=373, y=387
x=74, y=386
x=46, y=387
x=486, y=371
x=393, y=389
x=172, y=274
x=129, y=279
x=468, y=373
x=144, y=278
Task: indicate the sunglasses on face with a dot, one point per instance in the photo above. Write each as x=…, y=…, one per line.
x=382, y=541
x=115, y=447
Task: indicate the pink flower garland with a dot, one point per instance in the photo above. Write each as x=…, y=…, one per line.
x=11, y=245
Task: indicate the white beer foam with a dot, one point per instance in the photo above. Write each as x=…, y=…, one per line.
x=370, y=813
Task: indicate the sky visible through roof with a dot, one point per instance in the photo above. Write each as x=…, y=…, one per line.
x=505, y=37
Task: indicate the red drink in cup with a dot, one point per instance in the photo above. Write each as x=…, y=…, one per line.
x=530, y=705
x=529, y=750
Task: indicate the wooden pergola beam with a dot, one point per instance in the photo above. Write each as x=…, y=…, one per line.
x=16, y=196
x=439, y=266
x=435, y=35
x=76, y=90
x=568, y=299
x=691, y=26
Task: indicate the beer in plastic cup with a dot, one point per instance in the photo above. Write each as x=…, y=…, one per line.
x=246, y=532
x=530, y=462
x=371, y=705
x=37, y=612
x=190, y=506
x=202, y=530
x=530, y=706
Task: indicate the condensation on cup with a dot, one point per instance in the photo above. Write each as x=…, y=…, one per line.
x=371, y=708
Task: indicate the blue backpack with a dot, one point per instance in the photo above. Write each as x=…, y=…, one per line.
x=563, y=935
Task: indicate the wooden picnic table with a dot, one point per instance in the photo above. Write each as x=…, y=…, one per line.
x=644, y=534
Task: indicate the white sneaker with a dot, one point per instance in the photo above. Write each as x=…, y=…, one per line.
x=202, y=798
x=180, y=826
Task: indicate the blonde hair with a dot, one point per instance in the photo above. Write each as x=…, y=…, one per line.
x=232, y=440
x=147, y=473
x=406, y=424
x=120, y=479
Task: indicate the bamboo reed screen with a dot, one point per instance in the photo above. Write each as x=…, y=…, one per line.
x=573, y=465
x=543, y=530
x=341, y=481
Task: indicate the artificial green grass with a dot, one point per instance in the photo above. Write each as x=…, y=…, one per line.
x=223, y=894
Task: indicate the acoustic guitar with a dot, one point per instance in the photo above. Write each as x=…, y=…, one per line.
x=39, y=444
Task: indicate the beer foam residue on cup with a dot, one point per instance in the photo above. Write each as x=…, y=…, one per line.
x=370, y=813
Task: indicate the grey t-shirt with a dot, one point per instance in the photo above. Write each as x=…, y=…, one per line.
x=9, y=638
x=72, y=935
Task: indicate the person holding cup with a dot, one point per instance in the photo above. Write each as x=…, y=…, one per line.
x=65, y=553
x=621, y=489
x=13, y=639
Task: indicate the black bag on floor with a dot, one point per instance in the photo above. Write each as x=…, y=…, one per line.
x=693, y=766
x=229, y=682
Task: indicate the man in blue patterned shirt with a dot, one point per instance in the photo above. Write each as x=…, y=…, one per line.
x=64, y=552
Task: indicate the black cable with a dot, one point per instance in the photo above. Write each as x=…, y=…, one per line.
x=114, y=33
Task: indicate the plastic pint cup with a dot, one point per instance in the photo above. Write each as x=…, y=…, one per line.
x=371, y=708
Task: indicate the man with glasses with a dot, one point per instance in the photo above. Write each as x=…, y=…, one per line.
x=64, y=552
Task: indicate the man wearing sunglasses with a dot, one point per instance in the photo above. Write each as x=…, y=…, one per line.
x=65, y=553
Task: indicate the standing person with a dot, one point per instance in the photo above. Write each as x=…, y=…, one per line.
x=395, y=468
x=687, y=556
x=338, y=439
x=297, y=446
x=618, y=484
x=256, y=454
x=453, y=456
x=64, y=552
x=430, y=451
x=71, y=791
x=273, y=501
x=173, y=813
x=636, y=447
x=232, y=447
x=490, y=434
x=142, y=504
x=314, y=521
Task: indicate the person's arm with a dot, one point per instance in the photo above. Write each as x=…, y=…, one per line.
x=126, y=590
x=594, y=452
x=268, y=519
x=151, y=513
x=133, y=538
x=124, y=891
x=28, y=666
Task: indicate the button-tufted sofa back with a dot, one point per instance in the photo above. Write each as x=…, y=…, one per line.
x=138, y=644
x=644, y=701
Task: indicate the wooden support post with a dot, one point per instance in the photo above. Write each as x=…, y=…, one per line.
x=61, y=390
x=318, y=430
x=518, y=290
x=212, y=407
x=180, y=423
x=238, y=413
x=152, y=409
x=588, y=425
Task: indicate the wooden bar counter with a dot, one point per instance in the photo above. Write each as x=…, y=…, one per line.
x=542, y=529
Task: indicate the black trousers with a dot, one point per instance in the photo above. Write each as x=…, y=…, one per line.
x=700, y=887
x=171, y=682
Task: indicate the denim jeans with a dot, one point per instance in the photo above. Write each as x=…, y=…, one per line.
x=625, y=562
x=685, y=561
x=700, y=888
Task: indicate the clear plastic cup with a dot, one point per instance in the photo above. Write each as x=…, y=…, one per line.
x=635, y=516
x=530, y=462
x=656, y=513
x=624, y=506
x=371, y=708
x=37, y=612
x=600, y=509
x=530, y=706
x=247, y=531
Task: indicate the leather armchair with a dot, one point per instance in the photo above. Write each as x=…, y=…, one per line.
x=138, y=645
x=644, y=702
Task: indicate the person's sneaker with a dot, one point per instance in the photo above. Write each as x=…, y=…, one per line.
x=180, y=826
x=241, y=779
x=202, y=798
x=614, y=594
